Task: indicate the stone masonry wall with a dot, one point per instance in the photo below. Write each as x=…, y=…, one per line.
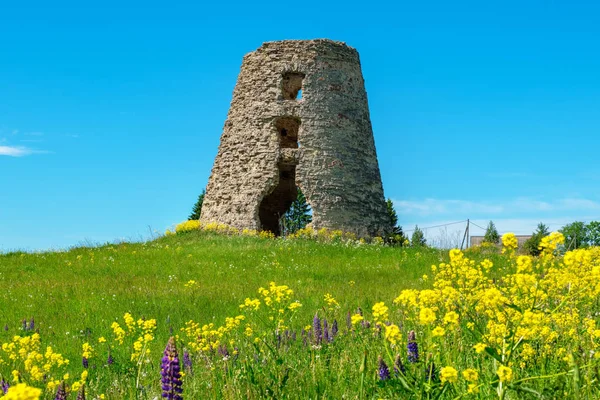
x=274, y=139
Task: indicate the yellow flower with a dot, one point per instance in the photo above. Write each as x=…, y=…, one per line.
x=101, y=339
x=509, y=242
x=438, y=331
x=451, y=317
x=473, y=388
x=470, y=375
x=504, y=373
x=356, y=318
x=449, y=374
x=479, y=348
x=22, y=392
x=426, y=316
x=392, y=333
x=380, y=312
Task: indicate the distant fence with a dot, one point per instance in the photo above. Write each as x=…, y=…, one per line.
x=477, y=240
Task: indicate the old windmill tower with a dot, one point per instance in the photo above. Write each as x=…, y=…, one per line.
x=299, y=118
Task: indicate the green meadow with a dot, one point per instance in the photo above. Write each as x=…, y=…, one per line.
x=192, y=284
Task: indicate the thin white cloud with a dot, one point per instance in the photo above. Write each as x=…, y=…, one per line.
x=18, y=151
x=13, y=151
x=432, y=207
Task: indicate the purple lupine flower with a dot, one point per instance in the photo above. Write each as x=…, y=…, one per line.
x=413, y=347
x=365, y=324
x=4, y=385
x=187, y=362
x=334, y=329
x=293, y=337
x=6, y=327
x=24, y=324
x=398, y=366
x=304, y=337
x=382, y=369
x=85, y=362
x=317, y=331
x=81, y=393
x=31, y=324
x=110, y=360
x=61, y=392
x=326, y=337
x=170, y=371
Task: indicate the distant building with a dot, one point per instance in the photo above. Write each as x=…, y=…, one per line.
x=477, y=240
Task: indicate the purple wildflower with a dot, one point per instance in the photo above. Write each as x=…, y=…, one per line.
x=304, y=337
x=383, y=370
x=81, y=393
x=326, y=337
x=170, y=371
x=187, y=362
x=31, y=324
x=110, y=360
x=24, y=322
x=4, y=385
x=85, y=362
x=317, y=331
x=334, y=329
x=398, y=365
x=413, y=348
x=61, y=392
x=6, y=327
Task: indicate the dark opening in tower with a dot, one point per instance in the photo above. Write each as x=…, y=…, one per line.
x=275, y=204
x=288, y=127
x=292, y=85
x=278, y=201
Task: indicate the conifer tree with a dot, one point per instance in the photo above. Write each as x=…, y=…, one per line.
x=297, y=216
x=491, y=234
x=397, y=235
x=197, y=207
x=418, y=238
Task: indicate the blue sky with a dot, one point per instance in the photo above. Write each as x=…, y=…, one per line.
x=110, y=114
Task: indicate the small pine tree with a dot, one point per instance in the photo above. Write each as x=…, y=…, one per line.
x=532, y=244
x=418, y=238
x=397, y=235
x=491, y=234
x=197, y=207
x=297, y=216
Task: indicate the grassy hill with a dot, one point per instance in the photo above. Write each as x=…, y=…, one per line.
x=187, y=281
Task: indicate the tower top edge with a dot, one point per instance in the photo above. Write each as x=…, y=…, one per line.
x=304, y=44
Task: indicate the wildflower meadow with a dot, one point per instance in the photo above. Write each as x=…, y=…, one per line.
x=207, y=312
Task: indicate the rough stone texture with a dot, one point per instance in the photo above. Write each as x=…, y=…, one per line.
x=275, y=140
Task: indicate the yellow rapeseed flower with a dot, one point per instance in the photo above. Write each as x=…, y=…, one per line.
x=426, y=316
x=470, y=375
x=504, y=373
x=449, y=374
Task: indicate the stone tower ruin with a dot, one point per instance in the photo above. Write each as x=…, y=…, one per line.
x=299, y=117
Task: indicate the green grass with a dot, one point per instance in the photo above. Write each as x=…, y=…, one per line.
x=75, y=295
x=88, y=288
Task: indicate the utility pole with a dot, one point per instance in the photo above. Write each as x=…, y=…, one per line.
x=465, y=236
